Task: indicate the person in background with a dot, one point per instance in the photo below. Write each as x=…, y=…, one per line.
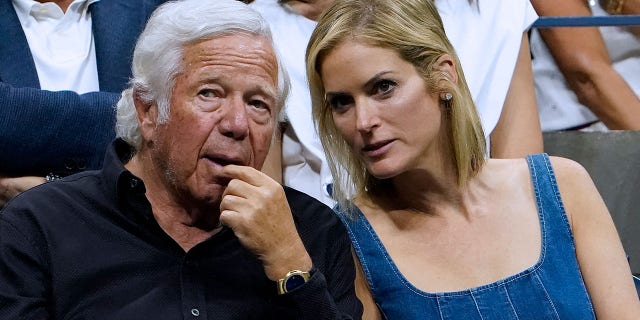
x=438, y=230
x=62, y=67
x=180, y=223
x=496, y=55
x=586, y=78
x=491, y=39
x=624, y=7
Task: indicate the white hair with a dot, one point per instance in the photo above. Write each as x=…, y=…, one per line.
x=157, y=58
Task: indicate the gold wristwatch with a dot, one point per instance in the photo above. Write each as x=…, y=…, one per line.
x=293, y=279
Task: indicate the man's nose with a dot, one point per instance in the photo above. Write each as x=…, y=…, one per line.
x=235, y=122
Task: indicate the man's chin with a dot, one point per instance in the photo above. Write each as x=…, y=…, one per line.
x=212, y=193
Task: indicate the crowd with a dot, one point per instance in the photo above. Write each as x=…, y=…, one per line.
x=308, y=159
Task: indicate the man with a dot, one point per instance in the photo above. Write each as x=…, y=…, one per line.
x=62, y=66
x=180, y=223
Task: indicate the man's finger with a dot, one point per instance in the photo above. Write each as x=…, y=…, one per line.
x=247, y=174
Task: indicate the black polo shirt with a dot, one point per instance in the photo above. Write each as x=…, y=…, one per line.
x=88, y=247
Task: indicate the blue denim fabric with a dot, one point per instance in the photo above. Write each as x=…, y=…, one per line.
x=551, y=289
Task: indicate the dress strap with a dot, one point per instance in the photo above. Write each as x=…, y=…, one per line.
x=553, y=218
x=376, y=263
x=558, y=252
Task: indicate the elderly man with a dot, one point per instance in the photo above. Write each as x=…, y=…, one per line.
x=180, y=223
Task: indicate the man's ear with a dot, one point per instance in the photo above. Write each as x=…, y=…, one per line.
x=447, y=66
x=147, y=114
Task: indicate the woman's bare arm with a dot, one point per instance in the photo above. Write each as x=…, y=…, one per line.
x=601, y=257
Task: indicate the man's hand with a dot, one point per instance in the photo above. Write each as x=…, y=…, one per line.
x=254, y=206
x=11, y=187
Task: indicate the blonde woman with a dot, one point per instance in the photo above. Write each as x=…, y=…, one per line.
x=438, y=230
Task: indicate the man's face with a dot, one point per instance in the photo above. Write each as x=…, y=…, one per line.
x=223, y=109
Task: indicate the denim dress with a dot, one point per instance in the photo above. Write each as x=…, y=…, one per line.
x=553, y=288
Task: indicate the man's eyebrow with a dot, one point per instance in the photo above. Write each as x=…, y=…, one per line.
x=262, y=89
x=270, y=92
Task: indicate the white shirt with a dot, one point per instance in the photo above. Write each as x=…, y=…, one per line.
x=487, y=35
x=487, y=45
x=61, y=44
x=557, y=104
x=304, y=165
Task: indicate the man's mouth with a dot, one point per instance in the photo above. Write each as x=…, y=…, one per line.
x=223, y=161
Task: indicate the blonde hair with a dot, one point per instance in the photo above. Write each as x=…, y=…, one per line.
x=413, y=29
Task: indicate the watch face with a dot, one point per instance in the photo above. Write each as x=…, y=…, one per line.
x=293, y=282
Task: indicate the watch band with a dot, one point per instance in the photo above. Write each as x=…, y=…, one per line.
x=292, y=280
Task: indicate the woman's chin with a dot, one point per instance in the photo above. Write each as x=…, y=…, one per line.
x=382, y=173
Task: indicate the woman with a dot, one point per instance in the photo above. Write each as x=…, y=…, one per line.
x=438, y=230
x=491, y=36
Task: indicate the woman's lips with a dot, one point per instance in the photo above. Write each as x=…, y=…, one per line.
x=377, y=149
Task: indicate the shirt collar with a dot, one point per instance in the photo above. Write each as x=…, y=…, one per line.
x=25, y=7
x=117, y=177
x=122, y=187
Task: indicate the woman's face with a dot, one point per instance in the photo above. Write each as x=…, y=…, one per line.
x=382, y=108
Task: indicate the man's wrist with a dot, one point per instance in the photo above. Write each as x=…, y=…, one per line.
x=294, y=257
x=293, y=280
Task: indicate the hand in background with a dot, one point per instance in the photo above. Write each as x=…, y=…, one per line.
x=623, y=7
x=11, y=187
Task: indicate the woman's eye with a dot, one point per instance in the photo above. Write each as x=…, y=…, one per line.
x=384, y=87
x=340, y=102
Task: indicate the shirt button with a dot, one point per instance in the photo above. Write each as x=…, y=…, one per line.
x=70, y=164
x=133, y=183
x=328, y=190
x=195, y=312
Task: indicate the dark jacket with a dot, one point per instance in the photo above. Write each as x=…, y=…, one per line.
x=63, y=132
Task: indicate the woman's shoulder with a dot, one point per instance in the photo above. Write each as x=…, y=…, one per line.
x=577, y=190
x=505, y=180
x=574, y=183
x=569, y=172
x=515, y=170
x=563, y=168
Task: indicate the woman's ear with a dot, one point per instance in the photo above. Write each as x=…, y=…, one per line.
x=447, y=66
x=147, y=114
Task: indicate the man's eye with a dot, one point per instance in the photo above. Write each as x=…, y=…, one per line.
x=384, y=87
x=259, y=104
x=207, y=93
x=340, y=102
